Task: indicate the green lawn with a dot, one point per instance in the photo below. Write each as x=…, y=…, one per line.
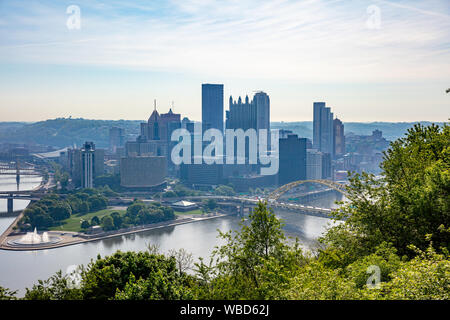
x=74, y=222
x=181, y=213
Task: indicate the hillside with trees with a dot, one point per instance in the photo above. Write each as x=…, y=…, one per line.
x=64, y=132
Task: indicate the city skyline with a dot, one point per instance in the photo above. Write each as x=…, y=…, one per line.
x=383, y=60
x=230, y=152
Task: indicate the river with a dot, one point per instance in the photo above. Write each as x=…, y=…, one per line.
x=22, y=269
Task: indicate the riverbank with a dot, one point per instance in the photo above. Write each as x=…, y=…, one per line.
x=73, y=238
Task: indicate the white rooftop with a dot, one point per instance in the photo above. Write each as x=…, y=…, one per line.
x=183, y=203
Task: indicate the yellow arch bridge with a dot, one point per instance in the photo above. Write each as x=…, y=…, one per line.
x=276, y=194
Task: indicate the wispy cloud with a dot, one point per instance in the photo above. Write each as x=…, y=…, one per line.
x=303, y=40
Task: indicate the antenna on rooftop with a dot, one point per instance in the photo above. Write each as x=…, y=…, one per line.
x=154, y=103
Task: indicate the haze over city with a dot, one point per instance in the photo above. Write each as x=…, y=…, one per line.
x=370, y=60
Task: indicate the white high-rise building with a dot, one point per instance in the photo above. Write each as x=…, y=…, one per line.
x=87, y=165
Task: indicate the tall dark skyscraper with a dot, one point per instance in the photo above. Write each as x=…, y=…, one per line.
x=323, y=137
x=339, y=138
x=262, y=103
x=292, y=167
x=241, y=115
x=253, y=114
x=212, y=106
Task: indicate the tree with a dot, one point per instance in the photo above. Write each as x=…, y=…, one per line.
x=409, y=203
x=37, y=217
x=426, y=277
x=157, y=286
x=75, y=204
x=314, y=281
x=95, y=221
x=224, y=191
x=117, y=220
x=107, y=223
x=6, y=294
x=209, y=204
x=97, y=202
x=255, y=262
x=144, y=216
x=134, y=208
x=84, y=207
x=60, y=210
x=134, y=275
x=184, y=259
x=57, y=287
x=85, y=224
x=168, y=213
x=107, y=191
x=64, y=180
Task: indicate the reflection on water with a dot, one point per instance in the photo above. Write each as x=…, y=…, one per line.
x=327, y=200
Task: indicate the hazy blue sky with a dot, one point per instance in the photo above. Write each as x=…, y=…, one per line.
x=370, y=60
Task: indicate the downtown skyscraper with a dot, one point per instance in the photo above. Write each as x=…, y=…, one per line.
x=323, y=133
x=292, y=151
x=212, y=106
x=339, y=138
x=254, y=114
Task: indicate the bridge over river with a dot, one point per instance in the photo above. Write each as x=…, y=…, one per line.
x=273, y=199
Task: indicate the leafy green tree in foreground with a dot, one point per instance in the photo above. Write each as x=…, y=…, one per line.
x=131, y=275
x=6, y=294
x=426, y=277
x=57, y=287
x=409, y=203
x=255, y=263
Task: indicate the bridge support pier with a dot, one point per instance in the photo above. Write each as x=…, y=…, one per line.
x=10, y=205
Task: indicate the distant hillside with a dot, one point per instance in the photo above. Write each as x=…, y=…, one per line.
x=64, y=132
x=391, y=130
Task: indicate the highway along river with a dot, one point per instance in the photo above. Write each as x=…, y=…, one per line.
x=22, y=269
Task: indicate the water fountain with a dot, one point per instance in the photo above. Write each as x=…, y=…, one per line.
x=34, y=239
x=31, y=238
x=45, y=237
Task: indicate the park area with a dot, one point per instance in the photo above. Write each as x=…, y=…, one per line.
x=74, y=222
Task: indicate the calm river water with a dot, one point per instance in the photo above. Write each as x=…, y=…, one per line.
x=19, y=270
